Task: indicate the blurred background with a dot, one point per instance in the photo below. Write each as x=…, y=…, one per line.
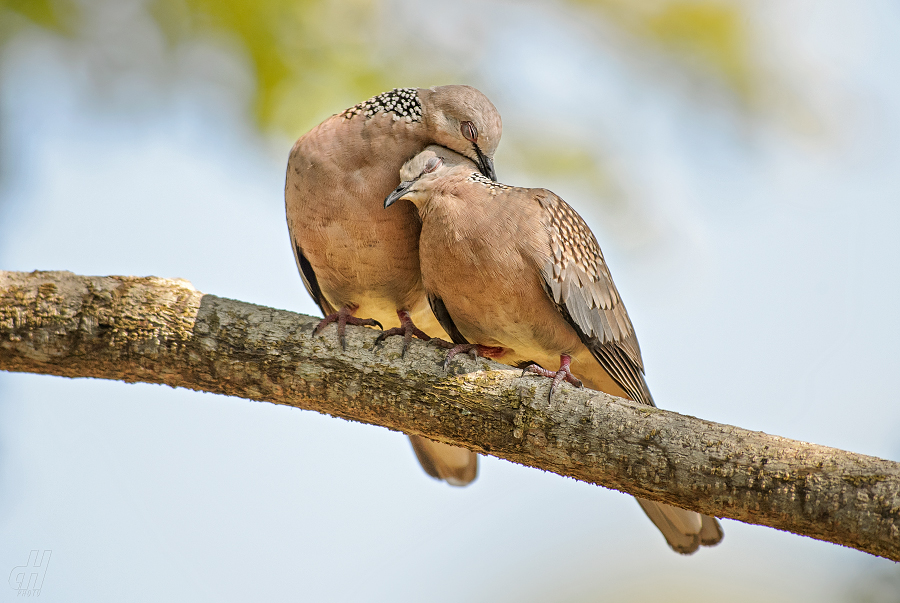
x=738, y=161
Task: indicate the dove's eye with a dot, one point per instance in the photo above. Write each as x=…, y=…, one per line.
x=469, y=131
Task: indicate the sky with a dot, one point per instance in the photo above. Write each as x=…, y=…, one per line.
x=757, y=257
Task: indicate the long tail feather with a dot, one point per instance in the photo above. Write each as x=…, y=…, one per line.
x=684, y=530
x=457, y=466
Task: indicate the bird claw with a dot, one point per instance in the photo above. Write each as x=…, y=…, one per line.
x=474, y=350
x=558, y=376
x=407, y=329
x=344, y=317
x=466, y=348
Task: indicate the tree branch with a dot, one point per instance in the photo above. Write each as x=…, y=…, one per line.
x=164, y=331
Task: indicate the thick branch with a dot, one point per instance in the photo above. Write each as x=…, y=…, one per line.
x=164, y=331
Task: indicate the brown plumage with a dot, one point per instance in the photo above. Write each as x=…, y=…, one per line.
x=519, y=269
x=359, y=262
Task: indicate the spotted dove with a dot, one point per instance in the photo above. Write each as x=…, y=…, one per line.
x=358, y=262
x=517, y=274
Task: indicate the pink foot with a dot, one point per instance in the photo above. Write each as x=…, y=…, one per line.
x=467, y=348
x=406, y=328
x=558, y=376
x=344, y=317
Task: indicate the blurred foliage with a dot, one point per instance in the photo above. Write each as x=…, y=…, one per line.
x=309, y=57
x=58, y=15
x=306, y=56
x=565, y=159
x=708, y=35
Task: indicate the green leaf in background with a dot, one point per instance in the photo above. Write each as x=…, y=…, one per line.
x=713, y=34
x=706, y=35
x=56, y=15
x=310, y=58
x=307, y=56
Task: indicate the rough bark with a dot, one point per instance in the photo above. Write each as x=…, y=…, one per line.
x=164, y=331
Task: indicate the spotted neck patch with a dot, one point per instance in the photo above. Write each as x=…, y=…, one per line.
x=404, y=103
x=494, y=187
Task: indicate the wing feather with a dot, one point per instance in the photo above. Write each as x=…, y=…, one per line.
x=578, y=281
x=311, y=282
x=444, y=318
